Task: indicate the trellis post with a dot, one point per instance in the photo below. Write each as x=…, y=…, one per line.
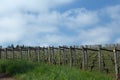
x=53, y=55
x=59, y=49
x=70, y=56
x=83, y=58
x=5, y=53
x=38, y=54
x=49, y=54
x=21, y=53
x=116, y=62
x=74, y=55
x=44, y=53
x=99, y=57
x=86, y=56
x=28, y=53
x=0, y=52
x=12, y=52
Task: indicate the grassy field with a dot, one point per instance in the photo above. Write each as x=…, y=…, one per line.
x=24, y=70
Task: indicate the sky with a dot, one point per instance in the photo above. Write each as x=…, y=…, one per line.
x=59, y=22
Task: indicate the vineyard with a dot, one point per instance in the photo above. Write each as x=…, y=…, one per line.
x=100, y=58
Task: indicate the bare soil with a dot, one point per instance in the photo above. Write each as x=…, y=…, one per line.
x=5, y=77
x=8, y=78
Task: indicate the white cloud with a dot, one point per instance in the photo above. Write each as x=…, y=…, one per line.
x=117, y=40
x=62, y=1
x=37, y=22
x=113, y=12
x=80, y=18
x=11, y=28
x=9, y=6
x=16, y=23
x=98, y=35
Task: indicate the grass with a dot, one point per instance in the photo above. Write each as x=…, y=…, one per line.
x=24, y=70
x=11, y=67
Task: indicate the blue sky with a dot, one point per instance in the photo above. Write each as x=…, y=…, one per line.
x=59, y=22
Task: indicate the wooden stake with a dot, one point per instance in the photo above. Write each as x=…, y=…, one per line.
x=83, y=58
x=64, y=56
x=12, y=53
x=0, y=52
x=20, y=53
x=53, y=55
x=28, y=53
x=5, y=53
x=99, y=57
x=70, y=56
x=38, y=54
x=86, y=57
x=59, y=49
x=116, y=62
x=44, y=53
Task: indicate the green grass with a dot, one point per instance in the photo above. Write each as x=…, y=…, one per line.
x=12, y=67
x=23, y=70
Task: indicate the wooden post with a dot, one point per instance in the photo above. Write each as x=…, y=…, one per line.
x=5, y=53
x=12, y=52
x=83, y=58
x=86, y=56
x=49, y=55
x=0, y=52
x=20, y=53
x=38, y=54
x=64, y=55
x=28, y=53
x=116, y=62
x=53, y=56
x=99, y=57
x=44, y=52
x=74, y=56
x=70, y=56
x=66, y=58
x=59, y=49
x=35, y=49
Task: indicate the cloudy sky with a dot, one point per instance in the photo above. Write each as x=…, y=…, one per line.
x=59, y=22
